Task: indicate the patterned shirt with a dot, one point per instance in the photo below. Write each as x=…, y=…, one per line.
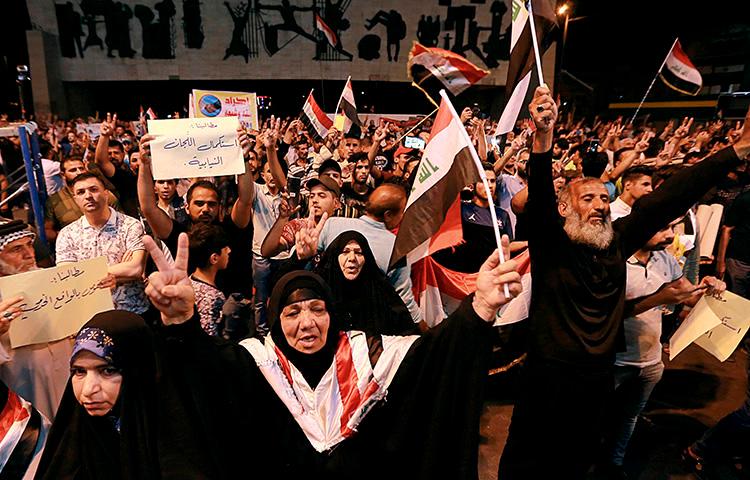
x=120, y=235
x=209, y=301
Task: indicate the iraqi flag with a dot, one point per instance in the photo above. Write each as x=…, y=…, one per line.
x=522, y=59
x=432, y=218
x=347, y=107
x=329, y=33
x=315, y=118
x=439, y=291
x=453, y=71
x=679, y=73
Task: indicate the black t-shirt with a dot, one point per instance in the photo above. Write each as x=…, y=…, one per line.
x=353, y=203
x=239, y=272
x=738, y=217
x=126, y=183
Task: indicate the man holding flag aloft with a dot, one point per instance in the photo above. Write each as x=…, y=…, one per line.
x=578, y=300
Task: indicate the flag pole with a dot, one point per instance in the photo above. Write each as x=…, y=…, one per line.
x=652, y=83
x=418, y=124
x=486, y=184
x=336, y=112
x=534, y=41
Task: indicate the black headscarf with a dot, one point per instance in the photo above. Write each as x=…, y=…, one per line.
x=295, y=287
x=81, y=446
x=369, y=302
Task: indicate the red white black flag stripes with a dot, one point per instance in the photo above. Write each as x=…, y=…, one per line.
x=522, y=56
x=329, y=33
x=314, y=118
x=447, y=166
x=679, y=73
x=347, y=106
x=455, y=72
x=439, y=291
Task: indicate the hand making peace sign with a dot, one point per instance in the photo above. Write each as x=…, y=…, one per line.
x=169, y=288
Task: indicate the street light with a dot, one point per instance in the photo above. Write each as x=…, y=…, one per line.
x=23, y=76
x=563, y=8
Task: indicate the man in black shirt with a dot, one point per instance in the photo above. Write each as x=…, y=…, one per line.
x=578, y=300
x=110, y=156
x=203, y=207
x=354, y=195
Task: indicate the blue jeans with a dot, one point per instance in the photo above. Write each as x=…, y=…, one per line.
x=263, y=269
x=633, y=387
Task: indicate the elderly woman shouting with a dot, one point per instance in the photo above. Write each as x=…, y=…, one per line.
x=317, y=401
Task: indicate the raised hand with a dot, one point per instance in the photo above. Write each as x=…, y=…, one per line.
x=489, y=296
x=543, y=109
x=286, y=210
x=245, y=142
x=307, y=237
x=169, y=288
x=642, y=144
x=144, y=146
x=684, y=128
x=107, y=128
x=466, y=114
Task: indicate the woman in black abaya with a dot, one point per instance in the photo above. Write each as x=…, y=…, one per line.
x=106, y=430
x=362, y=296
x=313, y=400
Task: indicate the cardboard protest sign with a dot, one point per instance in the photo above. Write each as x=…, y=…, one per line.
x=715, y=324
x=214, y=104
x=58, y=300
x=195, y=147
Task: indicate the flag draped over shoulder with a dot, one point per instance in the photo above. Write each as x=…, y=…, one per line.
x=439, y=291
x=432, y=218
x=522, y=55
x=347, y=106
x=315, y=119
x=679, y=73
x=455, y=72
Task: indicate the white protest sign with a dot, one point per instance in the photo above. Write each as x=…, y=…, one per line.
x=58, y=300
x=92, y=129
x=195, y=147
x=715, y=324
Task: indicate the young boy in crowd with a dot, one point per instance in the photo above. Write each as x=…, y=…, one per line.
x=209, y=253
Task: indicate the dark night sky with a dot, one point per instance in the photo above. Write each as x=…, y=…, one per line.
x=620, y=44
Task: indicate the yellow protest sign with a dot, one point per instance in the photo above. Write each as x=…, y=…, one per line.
x=715, y=324
x=213, y=104
x=339, y=122
x=58, y=301
x=195, y=147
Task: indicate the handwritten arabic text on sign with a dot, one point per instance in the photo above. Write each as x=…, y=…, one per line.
x=58, y=301
x=195, y=147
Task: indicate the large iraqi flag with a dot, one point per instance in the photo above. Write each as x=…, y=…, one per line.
x=455, y=72
x=680, y=74
x=432, y=218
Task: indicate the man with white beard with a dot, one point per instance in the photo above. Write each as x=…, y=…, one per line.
x=578, y=262
x=38, y=372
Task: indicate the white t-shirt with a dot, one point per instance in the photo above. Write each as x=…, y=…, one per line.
x=643, y=332
x=619, y=209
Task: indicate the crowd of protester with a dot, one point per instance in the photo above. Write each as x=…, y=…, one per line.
x=258, y=328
